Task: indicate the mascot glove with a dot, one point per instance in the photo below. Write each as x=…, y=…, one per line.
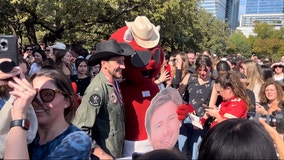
x=183, y=111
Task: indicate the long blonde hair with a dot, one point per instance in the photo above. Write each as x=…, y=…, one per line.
x=254, y=75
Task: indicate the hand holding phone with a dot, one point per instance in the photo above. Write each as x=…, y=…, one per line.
x=260, y=109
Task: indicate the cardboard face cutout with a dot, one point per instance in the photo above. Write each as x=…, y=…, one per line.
x=162, y=123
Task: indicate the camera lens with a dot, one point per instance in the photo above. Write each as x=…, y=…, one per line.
x=6, y=66
x=3, y=44
x=273, y=122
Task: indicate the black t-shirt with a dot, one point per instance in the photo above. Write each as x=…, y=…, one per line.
x=82, y=84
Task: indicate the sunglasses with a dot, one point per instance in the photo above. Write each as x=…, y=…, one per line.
x=142, y=58
x=47, y=95
x=29, y=49
x=47, y=50
x=278, y=66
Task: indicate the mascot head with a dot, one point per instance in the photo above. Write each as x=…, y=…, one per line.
x=143, y=36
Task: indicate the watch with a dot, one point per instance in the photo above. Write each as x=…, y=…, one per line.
x=24, y=123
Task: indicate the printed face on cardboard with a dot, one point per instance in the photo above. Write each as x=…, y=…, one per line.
x=164, y=126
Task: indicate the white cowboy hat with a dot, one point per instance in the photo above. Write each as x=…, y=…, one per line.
x=144, y=32
x=58, y=45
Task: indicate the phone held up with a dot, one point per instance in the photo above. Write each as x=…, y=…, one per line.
x=8, y=49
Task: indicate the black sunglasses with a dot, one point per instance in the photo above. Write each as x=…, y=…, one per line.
x=47, y=95
x=278, y=66
x=29, y=49
x=142, y=58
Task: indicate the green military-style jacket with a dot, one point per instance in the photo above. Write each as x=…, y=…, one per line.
x=102, y=111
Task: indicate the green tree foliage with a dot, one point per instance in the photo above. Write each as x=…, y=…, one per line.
x=238, y=43
x=183, y=25
x=271, y=47
x=267, y=42
x=263, y=30
x=214, y=33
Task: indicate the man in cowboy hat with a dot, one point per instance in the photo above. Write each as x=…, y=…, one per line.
x=101, y=112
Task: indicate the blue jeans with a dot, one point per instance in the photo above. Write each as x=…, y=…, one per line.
x=189, y=139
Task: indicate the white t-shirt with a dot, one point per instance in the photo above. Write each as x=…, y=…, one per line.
x=34, y=68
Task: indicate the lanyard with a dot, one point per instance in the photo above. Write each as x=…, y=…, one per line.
x=116, y=88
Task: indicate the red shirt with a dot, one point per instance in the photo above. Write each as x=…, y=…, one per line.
x=233, y=108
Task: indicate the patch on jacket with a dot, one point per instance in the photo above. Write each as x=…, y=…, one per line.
x=113, y=98
x=95, y=100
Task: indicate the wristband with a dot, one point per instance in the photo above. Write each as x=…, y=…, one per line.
x=24, y=123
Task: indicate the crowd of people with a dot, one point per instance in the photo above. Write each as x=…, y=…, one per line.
x=69, y=104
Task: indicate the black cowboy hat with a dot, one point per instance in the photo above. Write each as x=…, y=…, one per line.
x=108, y=49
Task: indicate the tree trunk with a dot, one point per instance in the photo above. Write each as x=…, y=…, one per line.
x=31, y=34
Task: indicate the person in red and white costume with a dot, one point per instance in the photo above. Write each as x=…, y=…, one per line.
x=138, y=87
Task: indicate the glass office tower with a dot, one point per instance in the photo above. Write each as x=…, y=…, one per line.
x=264, y=6
x=225, y=10
x=216, y=7
x=269, y=11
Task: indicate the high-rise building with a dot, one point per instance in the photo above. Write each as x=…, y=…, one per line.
x=216, y=7
x=269, y=11
x=264, y=6
x=247, y=20
x=232, y=12
x=225, y=10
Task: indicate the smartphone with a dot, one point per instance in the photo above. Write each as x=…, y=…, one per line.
x=9, y=48
x=257, y=104
x=168, y=68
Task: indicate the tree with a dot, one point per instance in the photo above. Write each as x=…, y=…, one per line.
x=239, y=44
x=90, y=21
x=263, y=30
x=214, y=33
x=269, y=41
x=271, y=47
